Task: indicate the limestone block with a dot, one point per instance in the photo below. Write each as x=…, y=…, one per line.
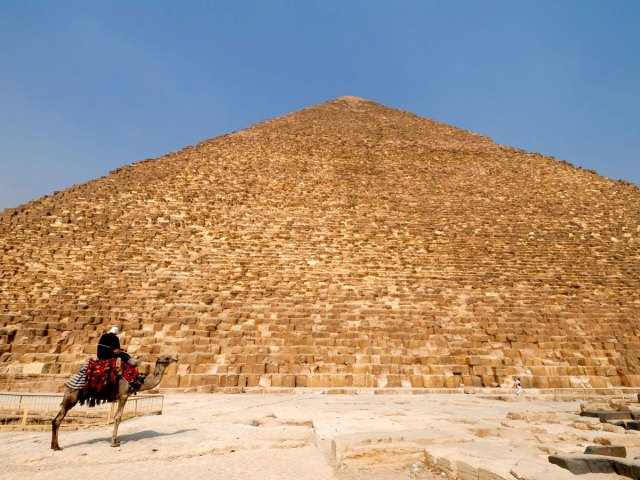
x=393, y=381
x=464, y=471
x=484, y=474
x=200, y=369
x=416, y=381
x=242, y=381
x=540, y=382
x=599, y=382
x=361, y=369
x=318, y=381
x=51, y=368
x=190, y=358
x=489, y=381
x=32, y=368
x=452, y=381
x=581, y=464
x=365, y=381
x=265, y=381
x=170, y=381
x=276, y=380
x=253, y=368
x=253, y=380
x=607, y=450
x=475, y=381
x=631, y=380
x=341, y=380
x=288, y=381
x=433, y=381
x=448, y=466
x=228, y=381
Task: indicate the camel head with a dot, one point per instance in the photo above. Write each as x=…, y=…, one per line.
x=166, y=358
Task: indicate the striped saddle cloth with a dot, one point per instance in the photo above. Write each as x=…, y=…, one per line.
x=98, y=380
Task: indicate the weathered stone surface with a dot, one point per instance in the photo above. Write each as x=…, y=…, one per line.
x=527, y=469
x=345, y=245
x=609, y=415
x=607, y=450
x=605, y=404
x=581, y=464
x=627, y=424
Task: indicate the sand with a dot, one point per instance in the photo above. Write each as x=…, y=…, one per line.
x=323, y=437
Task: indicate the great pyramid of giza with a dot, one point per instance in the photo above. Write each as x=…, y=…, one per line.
x=346, y=245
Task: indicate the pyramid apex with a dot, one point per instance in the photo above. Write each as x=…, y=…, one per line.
x=352, y=99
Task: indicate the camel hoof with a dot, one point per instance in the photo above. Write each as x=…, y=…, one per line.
x=57, y=448
x=116, y=443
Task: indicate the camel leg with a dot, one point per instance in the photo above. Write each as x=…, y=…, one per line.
x=68, y=402
x=122, y=400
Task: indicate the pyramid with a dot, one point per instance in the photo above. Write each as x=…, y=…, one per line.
x=347, y=245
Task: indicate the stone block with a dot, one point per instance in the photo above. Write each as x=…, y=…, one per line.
x=484, y=474
x=365, y=381
x=170, y=381
x=317, y=381
x=184, y=381
x=607, y=450
x=51, y=368
x=582, y=464
x=289, y=381
x=464, y=471
x=416, y=381
x=452, y=381
x=228, y=381
x=361, y=369
x=253, y=368
x=608, y=415
x=448, y=466
x=253, y=380
x=265, y=381
x=34, y=368
x=433, y=381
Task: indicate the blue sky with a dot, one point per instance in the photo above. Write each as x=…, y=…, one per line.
x=89, y=86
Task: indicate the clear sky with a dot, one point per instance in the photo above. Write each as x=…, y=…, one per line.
x=89, y=86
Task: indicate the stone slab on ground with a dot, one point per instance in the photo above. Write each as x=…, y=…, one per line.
x=607, y=450
x=534, y=470
x=608, y=415
x=581, y=464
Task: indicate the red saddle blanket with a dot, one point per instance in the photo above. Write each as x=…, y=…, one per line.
x=103, y=377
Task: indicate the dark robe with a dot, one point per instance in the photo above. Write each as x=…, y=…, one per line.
x=106, y=346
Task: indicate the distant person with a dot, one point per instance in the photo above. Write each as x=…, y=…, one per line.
x=109, y=346
x=518, y=386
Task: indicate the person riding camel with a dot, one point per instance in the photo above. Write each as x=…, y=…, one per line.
x=90, y=378
x=109, y=346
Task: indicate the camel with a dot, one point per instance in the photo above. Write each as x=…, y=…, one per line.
x=71, y=397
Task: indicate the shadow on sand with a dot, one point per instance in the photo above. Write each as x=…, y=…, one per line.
x=132, y=437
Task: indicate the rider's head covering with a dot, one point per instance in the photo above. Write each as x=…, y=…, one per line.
x=114, y=330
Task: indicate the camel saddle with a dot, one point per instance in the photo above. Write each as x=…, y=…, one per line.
x=103, y=377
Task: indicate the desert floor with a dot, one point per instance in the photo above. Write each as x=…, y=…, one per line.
x=313, y=436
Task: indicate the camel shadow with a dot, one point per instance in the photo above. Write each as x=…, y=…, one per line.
x=132, y=437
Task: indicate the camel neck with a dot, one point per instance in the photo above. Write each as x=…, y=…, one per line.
x=153, y=380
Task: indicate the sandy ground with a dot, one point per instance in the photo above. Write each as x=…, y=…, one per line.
x=323, y=437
